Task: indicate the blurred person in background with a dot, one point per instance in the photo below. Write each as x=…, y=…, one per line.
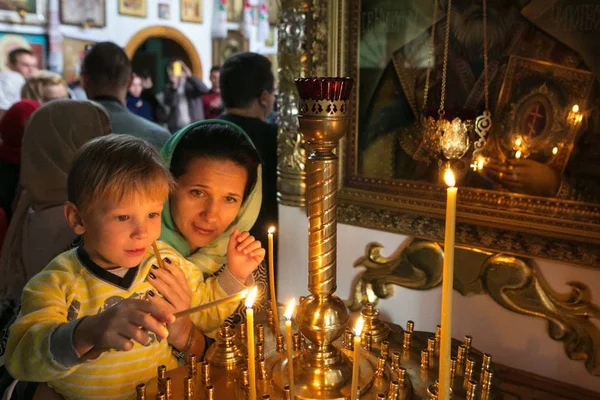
x=45, y=86
x=23, y=61
x=183, y=96
x=135, y=102
x=213, y=106
x=12, y=128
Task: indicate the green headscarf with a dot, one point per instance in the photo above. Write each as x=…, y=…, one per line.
x=209, y=258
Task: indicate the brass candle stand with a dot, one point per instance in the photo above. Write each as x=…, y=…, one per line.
x=395, y=363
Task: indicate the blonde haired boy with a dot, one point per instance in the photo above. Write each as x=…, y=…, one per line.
x=98, y=296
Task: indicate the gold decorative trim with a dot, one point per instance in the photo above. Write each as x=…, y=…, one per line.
x=166, y=32
x=417, y=266
x=303, y=51
x=514, y=283
x=485, y=233
x=519, y=286
x=324, y=108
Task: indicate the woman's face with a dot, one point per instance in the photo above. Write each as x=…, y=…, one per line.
x=207, y=199
x=54, y=92
x=136, y=87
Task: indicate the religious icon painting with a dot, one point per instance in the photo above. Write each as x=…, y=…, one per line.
x=191, y=10
x=28, y=12
x=164, y=11
x=234, y=10
x=73, y=53
x=541, y=109
x=133, y=8
x=38, y=44
x=85, y=13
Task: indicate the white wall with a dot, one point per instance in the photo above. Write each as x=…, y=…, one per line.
x=513, y=339
x=120, y=29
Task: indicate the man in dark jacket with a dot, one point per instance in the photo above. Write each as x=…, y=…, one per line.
x=105, y=76
x=248, y=94
x=183, y=96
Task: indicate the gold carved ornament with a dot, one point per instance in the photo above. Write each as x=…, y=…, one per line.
x=514, y=283
x=302, y=51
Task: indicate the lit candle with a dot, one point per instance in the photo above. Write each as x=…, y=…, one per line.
x=356, y=361
x=272, y=282
x=518, y=154
x=288, y=342
x=250, y=327
x=447, y=286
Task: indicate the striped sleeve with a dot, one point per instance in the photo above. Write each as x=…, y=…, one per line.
x=44, y=308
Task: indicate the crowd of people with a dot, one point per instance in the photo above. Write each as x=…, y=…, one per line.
x=87, y=188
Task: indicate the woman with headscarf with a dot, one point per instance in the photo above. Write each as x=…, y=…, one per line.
x=12, y=127
x=217, y=197
x=38, y=231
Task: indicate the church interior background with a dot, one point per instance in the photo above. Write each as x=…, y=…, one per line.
x=527, y=262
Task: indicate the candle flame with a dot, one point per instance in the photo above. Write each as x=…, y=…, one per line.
x=449, y=178
x=518, y=142
x=359, y=326
x=555, y=151
x=251, y=297
x=289, y=310
x=575, y=108
x=271, y=230
x=518, y=154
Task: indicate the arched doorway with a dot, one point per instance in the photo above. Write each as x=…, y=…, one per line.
x=170, y=34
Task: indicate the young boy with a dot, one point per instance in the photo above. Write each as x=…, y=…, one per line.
x=98, y=296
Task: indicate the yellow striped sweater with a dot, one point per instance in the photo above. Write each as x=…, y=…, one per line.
x=72, y=287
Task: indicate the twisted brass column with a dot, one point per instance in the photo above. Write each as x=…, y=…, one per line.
x=322, y=370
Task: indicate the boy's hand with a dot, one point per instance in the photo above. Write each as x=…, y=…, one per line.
x=244, y=254
x=118, y=326
x=172, y=284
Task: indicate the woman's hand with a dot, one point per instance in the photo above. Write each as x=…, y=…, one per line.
x=172, y=284
x=244, y=254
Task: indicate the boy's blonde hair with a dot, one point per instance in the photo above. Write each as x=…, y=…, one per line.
x=113, y=167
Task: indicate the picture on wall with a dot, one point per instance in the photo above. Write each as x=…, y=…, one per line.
x=73, y=52
x=30, y=6
x=191, y=10
x=234, y=10
x=273, y=7
x=134, y=8
x=90, y=13
x=235, y=42
x=164, y=11
x=35, y=11
x=270, y=42
x=38, y=44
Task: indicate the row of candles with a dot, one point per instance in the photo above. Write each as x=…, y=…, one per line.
x=446, y=311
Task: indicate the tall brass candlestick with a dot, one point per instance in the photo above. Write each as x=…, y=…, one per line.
x=447, y=286
x=322, y=316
